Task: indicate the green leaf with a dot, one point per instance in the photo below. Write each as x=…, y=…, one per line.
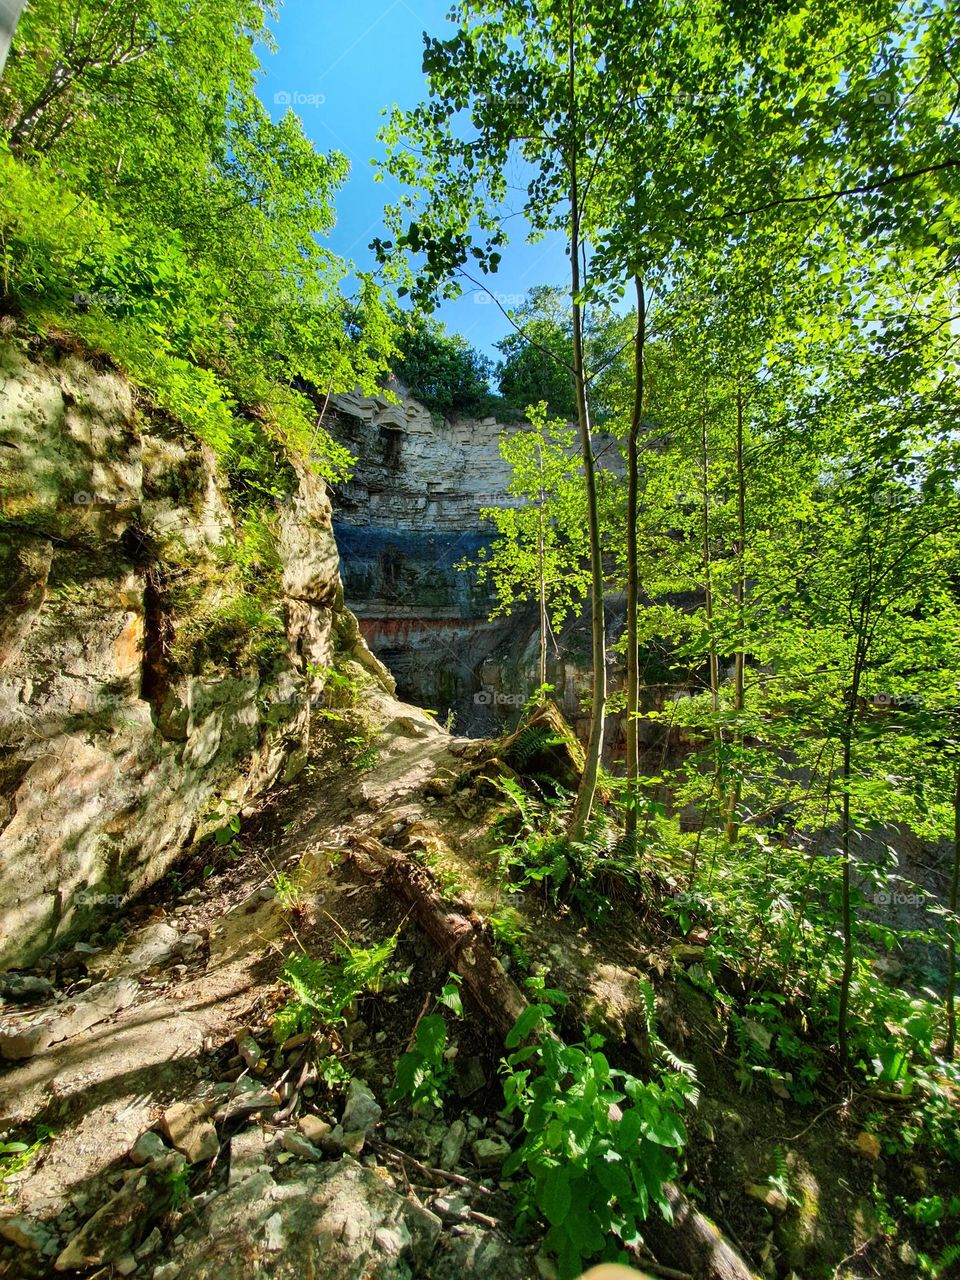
x=554, y=1195
x=527, y=1022
x=431, y=1038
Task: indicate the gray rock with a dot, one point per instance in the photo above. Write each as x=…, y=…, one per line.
x=26, y=1233
x=25, y=988
x=452, y=1208
x=189, y=943
x=105, y=787
x=150, y=1245
x=187, y=1127
x=248, y=1155
x=391, y=1241
x=66, y=1019
x=452, y=1145
x=248, y=1050
x=224, y=1089
x=490, y=1153
x=151, y=949
x=95, y=1005
x=470, y=1076
x=298, y=1145
x=362, y=1111
x=246, y=1101
x=476, y=1254
x=23, y=1040
x=247, y=1104
x=149, y=1146
x=109, y=1234
x=332, y=1220
x=273, y=1233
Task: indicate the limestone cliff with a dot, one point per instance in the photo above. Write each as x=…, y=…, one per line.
x=409, y=515
x=124, y=729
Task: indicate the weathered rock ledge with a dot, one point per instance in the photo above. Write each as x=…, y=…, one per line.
x=112, y=757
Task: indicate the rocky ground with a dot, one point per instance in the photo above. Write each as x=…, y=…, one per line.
x=174, y=1139
x=173, y=1147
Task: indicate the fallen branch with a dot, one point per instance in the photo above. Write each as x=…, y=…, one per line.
x=426, y=1171
x=458, y=934
x=691, y=1243
x=292, y=1101
x=659, y=1269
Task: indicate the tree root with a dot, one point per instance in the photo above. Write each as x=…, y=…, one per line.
x=691, y=1242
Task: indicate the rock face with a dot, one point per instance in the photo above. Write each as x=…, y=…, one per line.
x=339, y=1218
x=409, y=515
x=111, y=756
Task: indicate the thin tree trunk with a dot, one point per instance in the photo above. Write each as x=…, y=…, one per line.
x=708, y=575
x=588, y=784
x=541, y=569
x=846, y=909
x=951, y=992
x=731, y=828
x=633, y=572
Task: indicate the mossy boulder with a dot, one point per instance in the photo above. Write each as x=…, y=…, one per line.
x=544, y=746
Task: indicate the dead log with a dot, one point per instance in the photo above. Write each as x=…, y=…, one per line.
x=457, y=934
x=691, y=1242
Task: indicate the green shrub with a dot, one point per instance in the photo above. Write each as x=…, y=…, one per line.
x=423, y=1073
x=598, y=1144
x=322, y=992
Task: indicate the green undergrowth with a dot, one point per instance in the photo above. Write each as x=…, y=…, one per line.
x=597, y=1144
x=424, y=1074
x=751, y=926
x=534, y=851
x=322, y=993
x=345, y=735
x=226, y=610
x=15, y=1156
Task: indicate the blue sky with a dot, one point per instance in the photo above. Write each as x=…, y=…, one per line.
x=341, y=65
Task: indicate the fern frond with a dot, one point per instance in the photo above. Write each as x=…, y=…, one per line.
x=529, y=743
